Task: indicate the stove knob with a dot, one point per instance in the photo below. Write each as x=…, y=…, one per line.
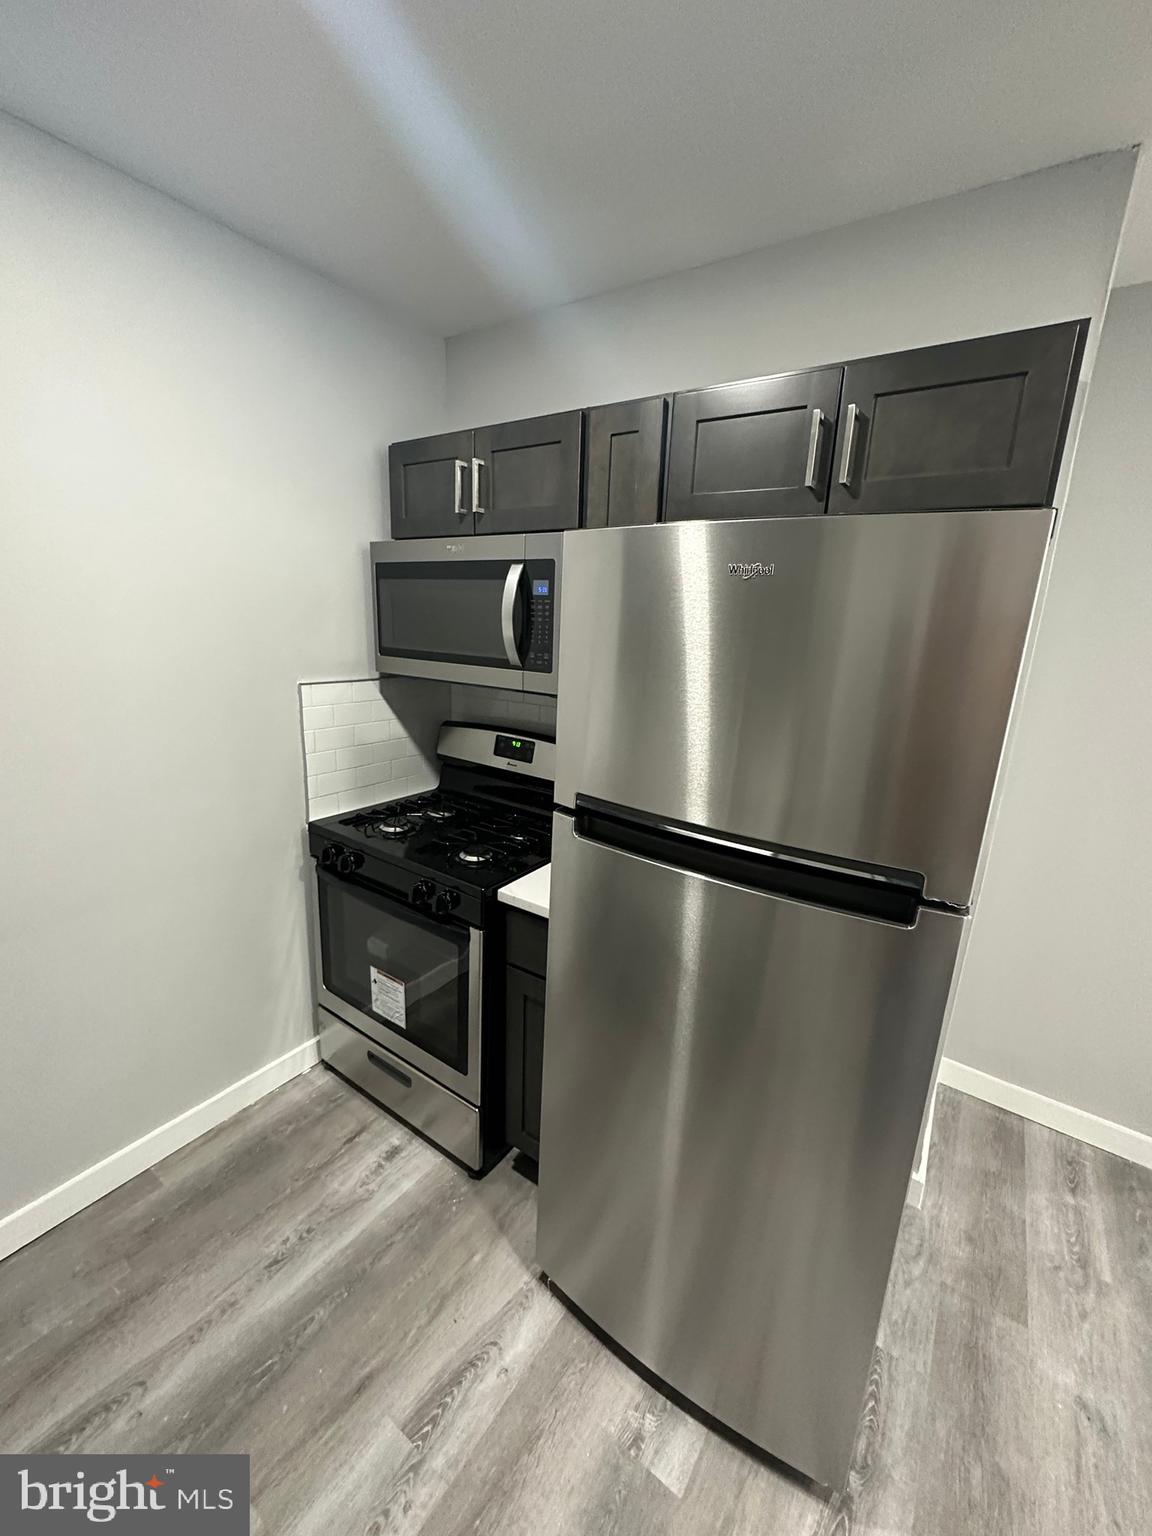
x=446, y=901
x=422, y=893
x=349, y=862
x=328, y=855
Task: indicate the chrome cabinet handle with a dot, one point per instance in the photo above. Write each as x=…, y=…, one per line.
x=477, y=509
x=849, y=444
x=815, y=442
x=508, y=611
x=461, y=509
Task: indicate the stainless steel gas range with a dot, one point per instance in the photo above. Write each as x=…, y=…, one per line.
x=406, y=900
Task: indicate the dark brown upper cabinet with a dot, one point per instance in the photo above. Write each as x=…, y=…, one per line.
x=624, y=462
x=429, y=483
x=528, y=474
x=969, y=424
x=758, y=449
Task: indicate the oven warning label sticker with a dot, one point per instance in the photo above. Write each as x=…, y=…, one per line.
x=388, y=999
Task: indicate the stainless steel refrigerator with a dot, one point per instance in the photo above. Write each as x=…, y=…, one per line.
x=778, y=744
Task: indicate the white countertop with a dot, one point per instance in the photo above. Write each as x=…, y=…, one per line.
x=530, y=893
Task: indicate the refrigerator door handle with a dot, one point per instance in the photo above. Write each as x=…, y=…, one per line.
x=892, y=896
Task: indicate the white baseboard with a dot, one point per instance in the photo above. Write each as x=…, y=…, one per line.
x=39, y=1216
x=1122, y=1140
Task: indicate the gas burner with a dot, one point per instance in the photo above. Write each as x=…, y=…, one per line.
x=520, y=839
x=437, y=812
x=474, y=853
x=392, y=826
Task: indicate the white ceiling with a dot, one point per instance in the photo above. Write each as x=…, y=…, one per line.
x=466, y=160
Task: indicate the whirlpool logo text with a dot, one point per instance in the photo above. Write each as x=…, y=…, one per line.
x=747, y=569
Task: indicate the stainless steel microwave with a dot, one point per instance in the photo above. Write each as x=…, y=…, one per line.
x=470, y=610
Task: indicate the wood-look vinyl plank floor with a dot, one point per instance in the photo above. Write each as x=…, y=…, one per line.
x=315, y=1286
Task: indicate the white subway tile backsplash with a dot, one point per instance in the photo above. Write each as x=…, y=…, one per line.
x=353, y=757
x=331, y=693
x=333, y=783
x=503, y=706
x=385, y=751
x=374, y=773
x=340, y=736
x=368, y=739
x=351, y=714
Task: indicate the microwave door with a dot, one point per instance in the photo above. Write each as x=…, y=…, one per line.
x=462, y=621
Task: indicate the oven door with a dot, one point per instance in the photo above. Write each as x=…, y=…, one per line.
x=452, y=609
x=404, y=979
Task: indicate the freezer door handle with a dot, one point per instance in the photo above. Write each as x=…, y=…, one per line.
x=892, y=896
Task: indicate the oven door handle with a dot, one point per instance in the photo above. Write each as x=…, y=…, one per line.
x=508, y=612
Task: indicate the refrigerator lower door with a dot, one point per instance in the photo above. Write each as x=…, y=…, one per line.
x=733, y=1087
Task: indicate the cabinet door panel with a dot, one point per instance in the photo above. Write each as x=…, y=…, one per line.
x=969, y=424
x=529, y=474
x=524, y=1018
x=624, y=462
x=757, y=449
x=429, y=487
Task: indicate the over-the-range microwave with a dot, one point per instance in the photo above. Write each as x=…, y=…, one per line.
x=470, y=610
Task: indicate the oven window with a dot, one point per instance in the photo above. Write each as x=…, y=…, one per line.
x=442, y=611
x=408, y=972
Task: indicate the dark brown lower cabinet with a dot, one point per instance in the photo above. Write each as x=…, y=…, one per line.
x=524, y=1044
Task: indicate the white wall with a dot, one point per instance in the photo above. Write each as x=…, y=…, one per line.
x=1056, y=994
x=190, y=467
x=1017, y=253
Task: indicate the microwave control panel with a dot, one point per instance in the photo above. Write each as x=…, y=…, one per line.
x=541, y=576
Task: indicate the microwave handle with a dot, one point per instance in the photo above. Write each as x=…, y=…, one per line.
x=508, y=611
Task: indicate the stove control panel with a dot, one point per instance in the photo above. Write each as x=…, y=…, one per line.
x=519, y=749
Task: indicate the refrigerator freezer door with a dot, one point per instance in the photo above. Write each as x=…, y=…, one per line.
x=733, y=1087
x=838, y=685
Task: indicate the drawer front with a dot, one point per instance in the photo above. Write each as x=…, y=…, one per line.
x=399, y=1087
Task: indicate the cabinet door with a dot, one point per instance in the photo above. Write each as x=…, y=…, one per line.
x=757, y=449
x=624, y=462
x=529, y=474
x=429, y=486
x=970, y=424
x=524, y=1016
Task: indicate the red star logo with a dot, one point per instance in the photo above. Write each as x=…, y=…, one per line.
x=154, y=1482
